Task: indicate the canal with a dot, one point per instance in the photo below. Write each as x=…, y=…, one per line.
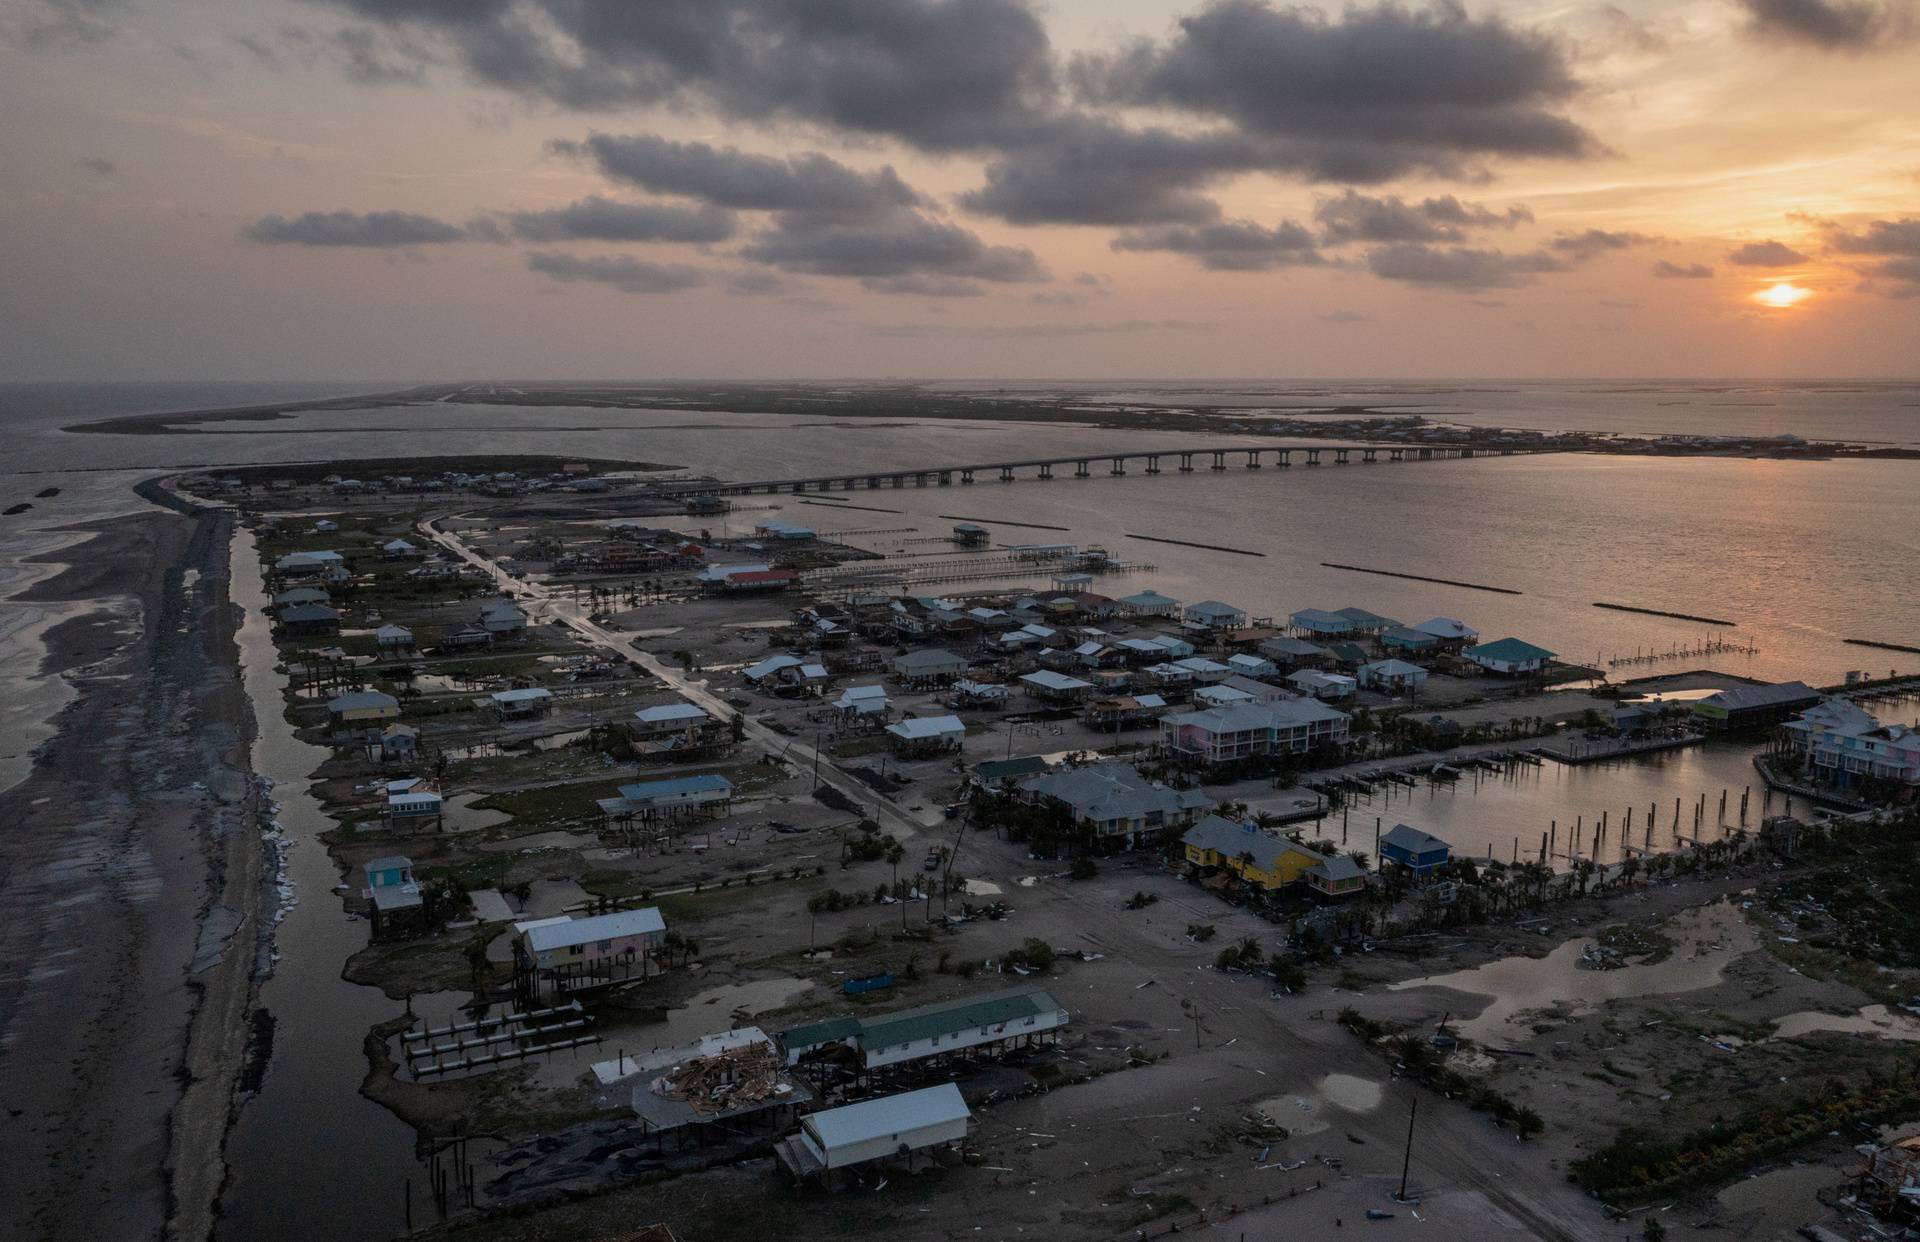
x=309, y=1157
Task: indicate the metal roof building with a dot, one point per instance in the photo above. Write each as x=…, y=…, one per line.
x=838, y=1138
x=932, y=1030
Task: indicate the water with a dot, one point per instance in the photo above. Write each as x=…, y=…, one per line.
x=1507, y=814
x=310, y=1156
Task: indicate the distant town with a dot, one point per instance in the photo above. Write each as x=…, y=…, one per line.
x=765, y=865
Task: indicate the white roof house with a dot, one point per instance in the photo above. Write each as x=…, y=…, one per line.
x=838, y=1138
x=545, y=935
x=1391, y=675
x=928, y=730
x=768, y=667
x=1322, y=685
x=1447, y=629
x=669, y=716
x=863, y=700
x=1213, y=615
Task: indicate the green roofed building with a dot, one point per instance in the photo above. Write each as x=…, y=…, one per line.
x=932, y=1030
x=1509, y=657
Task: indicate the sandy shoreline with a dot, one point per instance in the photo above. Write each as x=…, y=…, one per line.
x=132, y=866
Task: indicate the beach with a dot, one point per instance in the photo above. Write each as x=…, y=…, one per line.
x=133, y=867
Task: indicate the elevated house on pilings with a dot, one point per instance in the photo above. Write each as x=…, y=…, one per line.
x=926, y=1038
x=893, y=1127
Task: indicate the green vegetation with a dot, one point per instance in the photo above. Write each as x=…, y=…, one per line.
x=1641, y=1165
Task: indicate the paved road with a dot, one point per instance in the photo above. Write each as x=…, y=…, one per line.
x=889, y=813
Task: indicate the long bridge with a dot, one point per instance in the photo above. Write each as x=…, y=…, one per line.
x=1086, y=465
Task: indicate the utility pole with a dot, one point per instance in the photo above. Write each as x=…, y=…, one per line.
x=1406, y=1160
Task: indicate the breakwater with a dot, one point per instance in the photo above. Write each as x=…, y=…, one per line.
x=1186, y=543
x=1390, y=573
x=1661, y=612
x=961, y=517
x=1868, y=642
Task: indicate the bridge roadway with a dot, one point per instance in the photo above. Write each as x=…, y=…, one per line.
x=1248, y=455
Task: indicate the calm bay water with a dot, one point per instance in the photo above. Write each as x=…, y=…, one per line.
x=1801, y=554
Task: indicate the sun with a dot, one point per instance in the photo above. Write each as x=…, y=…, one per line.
x=1782, y=296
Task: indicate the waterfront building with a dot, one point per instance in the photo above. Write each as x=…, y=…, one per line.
x=1409, y=641
x=1213, y=616
x=1419, y=852
x=1845, y=747
x=1290, y=653
x=1509, y=657
x=1337, y=876
x=398, y=741
x=1453, y=634
x=1224, y=734
x=1116, y=805
x=1755, y=707
x=595, y=942
x=392, y=889
x=362, y=707
x=1248, y=852
x=309, y=619
x=1148, y=603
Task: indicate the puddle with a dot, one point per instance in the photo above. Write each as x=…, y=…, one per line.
x=1306, y=1113
x=1875, y=1020
x=462, y=816
x=548, y=898
x=717, y=1009
x=1706, y=940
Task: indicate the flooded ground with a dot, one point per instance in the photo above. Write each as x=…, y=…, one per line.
x=308, y=1135
x=1875, y=1020
x=1706, y=940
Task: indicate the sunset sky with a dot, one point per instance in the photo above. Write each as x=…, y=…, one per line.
x=481, y=189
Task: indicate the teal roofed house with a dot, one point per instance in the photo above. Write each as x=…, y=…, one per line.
x=1510, y=657
x=1417, y=851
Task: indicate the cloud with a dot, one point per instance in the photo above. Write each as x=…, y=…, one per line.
x=1345, y=316
x=1767, y=253
x=939, y=74
x=1031, y=331
x=1083, y=170
x=903, y=244
x=1381, y=92
x=1896, y=237
x=1834, y=25
x=922, y=285
x=38, y=25
x=1676, y=271
x=601, y=219
x=348, y=228
x=727, y=177
x=1897, y=242
x=1459, y=267
x=1589, y=243
x=1231, y=246
x=755, y=281
x=1360, y=217
x=99, y=166
x=623, y=272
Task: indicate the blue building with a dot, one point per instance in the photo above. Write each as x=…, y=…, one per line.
x=1419, y=852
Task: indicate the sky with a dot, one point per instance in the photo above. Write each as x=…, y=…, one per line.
x=529, y=189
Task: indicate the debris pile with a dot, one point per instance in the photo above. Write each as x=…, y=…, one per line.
x=726, y=1080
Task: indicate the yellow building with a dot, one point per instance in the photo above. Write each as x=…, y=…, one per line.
x=1255, y=856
